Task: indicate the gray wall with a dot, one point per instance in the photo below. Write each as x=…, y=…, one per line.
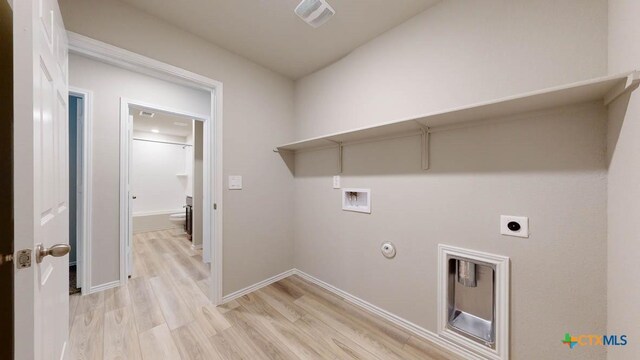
x=624, y=184
x=549, y=166
x=258, y=113
x=453, y=54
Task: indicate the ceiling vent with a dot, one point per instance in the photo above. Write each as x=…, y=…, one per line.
x=314, y=12
x=148, y=114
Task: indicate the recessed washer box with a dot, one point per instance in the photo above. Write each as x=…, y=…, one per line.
x=358, y=200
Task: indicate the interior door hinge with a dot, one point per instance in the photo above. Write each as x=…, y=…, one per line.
x=215, y=206
x=23, y=258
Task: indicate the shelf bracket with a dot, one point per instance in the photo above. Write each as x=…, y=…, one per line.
x=340, y=150
x=424, y=148
x=633, y=80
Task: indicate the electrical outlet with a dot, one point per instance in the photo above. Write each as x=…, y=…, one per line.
x=336, y=182
x=514, y=226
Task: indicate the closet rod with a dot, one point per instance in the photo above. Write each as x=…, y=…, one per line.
x=161, y=142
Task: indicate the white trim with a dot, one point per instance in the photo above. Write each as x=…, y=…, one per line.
x=103, y=287
x=124, y=223
x=158, y=212
x=84, y=216
x=85, y=46
x=257, y=286
x=394, y=319
x=501, y=263
x=196, y=247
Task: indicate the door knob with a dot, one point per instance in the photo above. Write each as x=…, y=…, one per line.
x=57, y=250
x=134, y=197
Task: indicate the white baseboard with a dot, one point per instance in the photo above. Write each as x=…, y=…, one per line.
x=104, y=287
x=196, y=247
x=257, y=286
x=159, y=212
x=398, y=321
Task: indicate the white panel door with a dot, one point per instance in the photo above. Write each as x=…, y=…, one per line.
x=41, y=180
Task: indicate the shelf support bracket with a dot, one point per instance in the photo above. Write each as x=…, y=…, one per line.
x=424, y=149
x=633, y=80
x=340, y=150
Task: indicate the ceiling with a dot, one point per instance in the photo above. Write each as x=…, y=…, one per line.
x=268, y=32
x=162, y=122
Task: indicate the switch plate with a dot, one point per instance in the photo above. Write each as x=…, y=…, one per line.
x=523, y=221
x=235, y=182
x=336, y=182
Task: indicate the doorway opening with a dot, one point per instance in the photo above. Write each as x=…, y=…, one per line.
x=166, y=191
x=79, y=129
x=166, y=208
x=75, y=119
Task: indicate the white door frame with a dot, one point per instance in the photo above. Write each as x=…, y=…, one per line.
x=110, y=54
x=84, y=205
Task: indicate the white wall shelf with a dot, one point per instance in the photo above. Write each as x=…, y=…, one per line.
x=606, y=89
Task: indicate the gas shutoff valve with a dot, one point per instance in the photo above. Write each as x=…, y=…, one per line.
x=388, y=250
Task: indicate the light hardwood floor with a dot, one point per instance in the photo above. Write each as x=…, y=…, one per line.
x=163, y=313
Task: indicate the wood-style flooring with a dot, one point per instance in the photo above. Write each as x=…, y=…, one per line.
x=163, y=313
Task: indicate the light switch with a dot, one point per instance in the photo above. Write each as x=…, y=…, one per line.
x=336, y=182
x=235, y=182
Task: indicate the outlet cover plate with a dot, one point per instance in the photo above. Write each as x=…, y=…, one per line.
x=336, y=182
x=235, y=182
x=522, y=220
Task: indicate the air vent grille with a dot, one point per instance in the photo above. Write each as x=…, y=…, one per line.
x=314, y=12
x=307, y=7
x=147, y=113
